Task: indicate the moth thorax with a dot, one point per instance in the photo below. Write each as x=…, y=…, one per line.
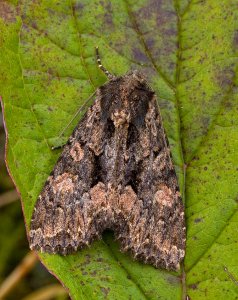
x=120, y=117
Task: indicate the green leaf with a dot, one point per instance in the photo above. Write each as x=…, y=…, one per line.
x=188, y=50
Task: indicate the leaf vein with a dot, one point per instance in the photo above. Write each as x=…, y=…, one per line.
x=213, y=241
x=141, y=39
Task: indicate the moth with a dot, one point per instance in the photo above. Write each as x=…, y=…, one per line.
x=115, y=172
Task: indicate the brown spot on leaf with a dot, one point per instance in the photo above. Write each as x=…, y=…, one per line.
x=235, y=39
x=198, y=220
x=105, y=291
x=78, y=6
x=139, y=56
x=7, y=12
x=84, y=273
x=225, y=77
x=193, y=286
x=100, y=259
x=108, y=16
x=93, y=273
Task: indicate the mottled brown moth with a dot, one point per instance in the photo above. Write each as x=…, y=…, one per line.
x=115, y=172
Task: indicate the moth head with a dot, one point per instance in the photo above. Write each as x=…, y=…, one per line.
x=137, y=95
x=126, y=99
x=137, y=80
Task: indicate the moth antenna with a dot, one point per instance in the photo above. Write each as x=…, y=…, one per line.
x=105, y=71
x=76, y=113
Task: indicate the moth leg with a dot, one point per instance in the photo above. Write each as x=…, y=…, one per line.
x=78, y=111
x=58, y=147
x=105, y=71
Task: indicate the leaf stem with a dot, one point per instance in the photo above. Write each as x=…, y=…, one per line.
x=17, y=274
